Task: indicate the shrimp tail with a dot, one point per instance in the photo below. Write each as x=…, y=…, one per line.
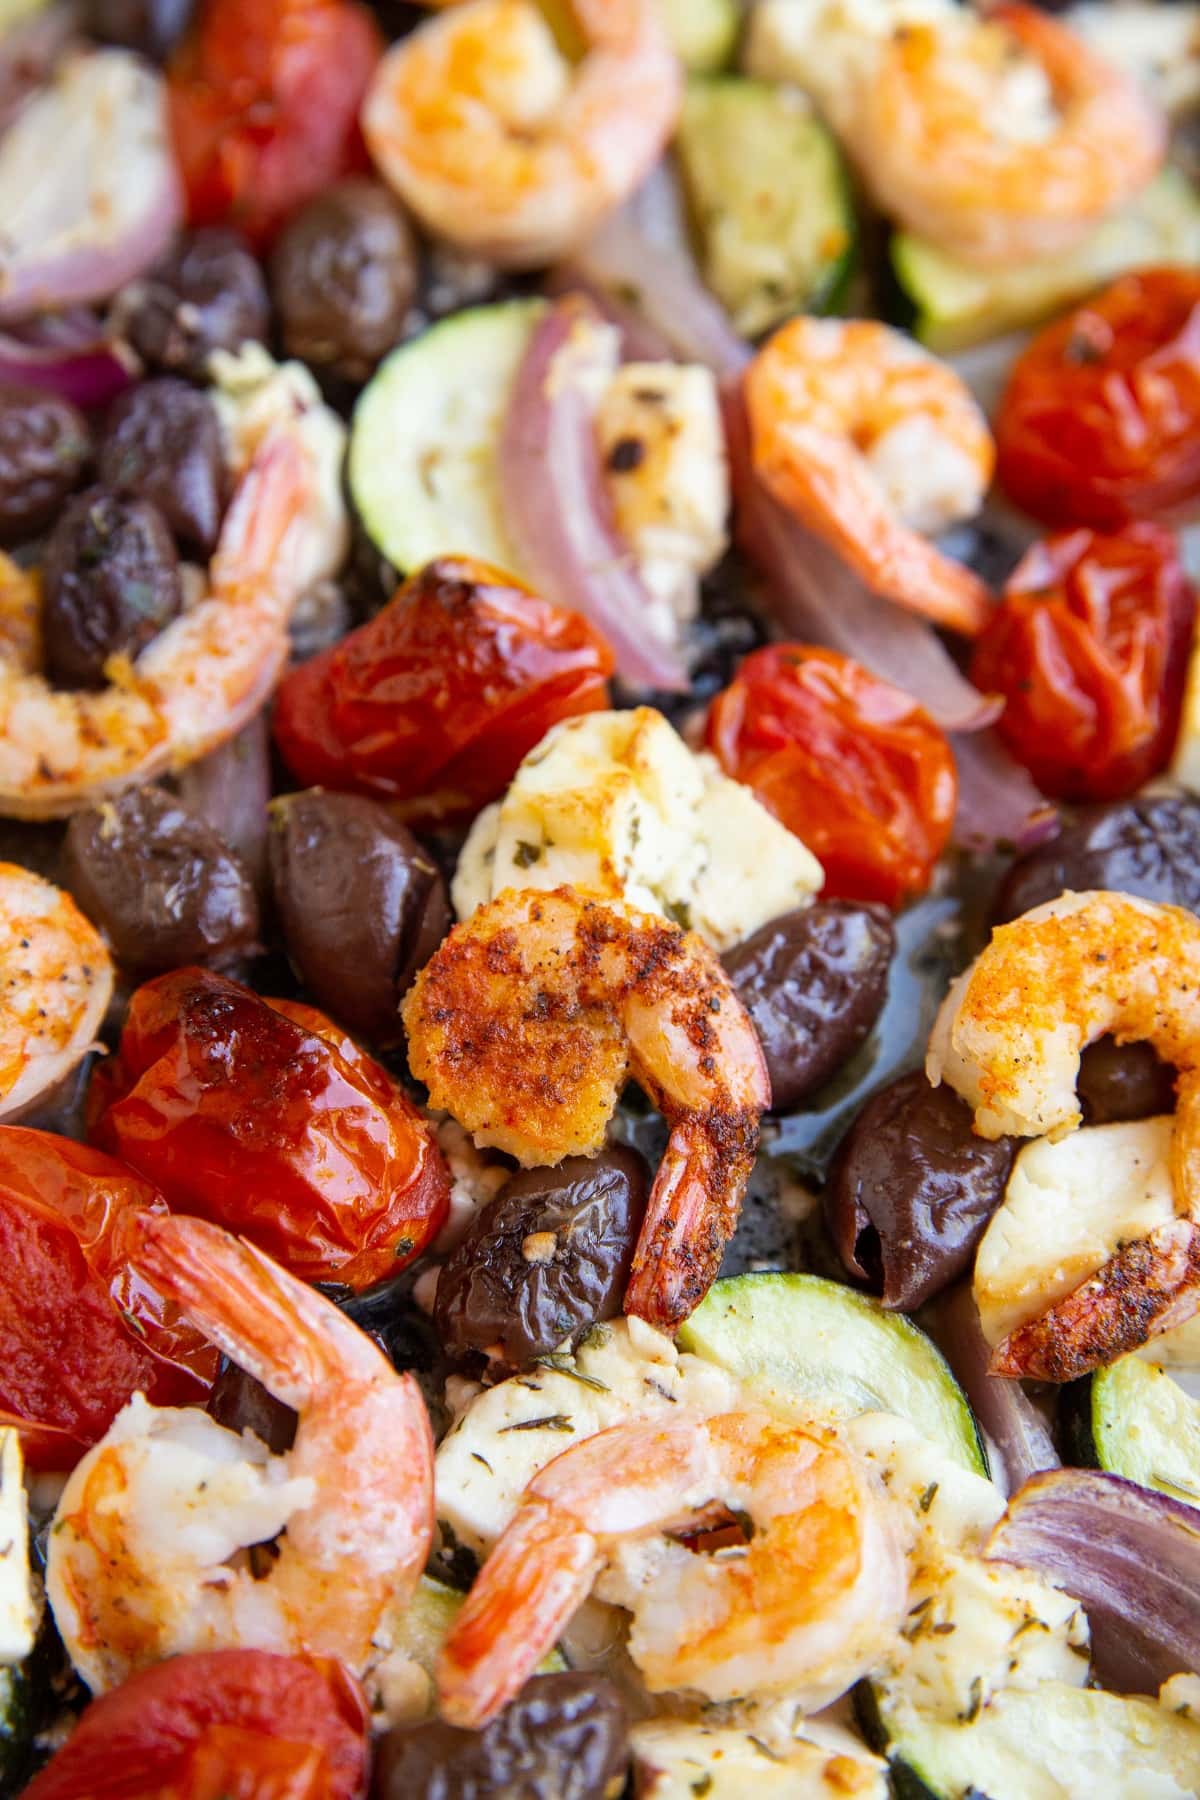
x=690, y=1217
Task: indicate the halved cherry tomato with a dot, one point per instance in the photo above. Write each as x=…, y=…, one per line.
x=1090, y=650
x=264, y=98
x=265, y=1117
x=80, y=1330
x=848, y=762
x=220, y=1725
x=434, y=702
x=1100, y=422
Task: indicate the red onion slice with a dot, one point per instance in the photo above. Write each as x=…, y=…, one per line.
x=28, y=53
x=230, y=789
x=999, y=808
x=1131, y=1555
x=557, y=508
x=89, y=191
x=67, y=354
x=1017, y=1434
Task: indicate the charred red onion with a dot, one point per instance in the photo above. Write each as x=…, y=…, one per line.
x=230, y=789
x=1018, y=1435
x=998, y=806
x=68, y=354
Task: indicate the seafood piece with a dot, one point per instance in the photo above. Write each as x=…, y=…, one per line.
x=57, y=982
x=482, y=126
x=809, y=1603
x=998, y=155
x=146, y=1549
x=870, y=442
x=525, y=1025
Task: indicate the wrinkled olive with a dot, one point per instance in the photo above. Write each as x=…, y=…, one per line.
x=1148, y=846
x=544, y=1260
x=361, y=904
x=343, y=276
x=564, y=1737
x=43, y=449
x=111, y=580
x=153, y=27
x=241, y=1403
x=159, y=883
x=814, y=983
x=389, y=1314
x=206, y=294
x=162, y=442
x=1123, y=1081
x=911, y=1190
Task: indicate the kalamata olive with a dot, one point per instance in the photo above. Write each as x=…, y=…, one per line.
x=1123, y=1081
x=361, y=904
x=544, y=1260
x=564, y=1737
x=389, y=1314
x=43, y=449
x=162, y=443
x=111, y=578
x=152, y=27
x=241, y=1403
x=159, y=883
x=343, y=276
x=1148, y=846
x=206, y=294
x=814, y=983
x=911, y=1190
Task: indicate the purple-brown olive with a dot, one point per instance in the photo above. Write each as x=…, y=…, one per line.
x=152, y=27
x=814, y=983
x=911, y=1190
x=159, y=883
x=362, y=905
x=1123, y=1081
x=44, y=447
x=564, y=1737
x=111, y=583
x=1149, y=846
x=206, y=294
x=343, y=276
x=162, y=442
x=240, y=1402
x=545, y=1260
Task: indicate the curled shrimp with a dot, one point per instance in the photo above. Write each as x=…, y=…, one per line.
x=808, y=1604
x=870, y=441
x=495, y=142
x=54, y=991
x=193, y=686
x=955, y=152
x=146, y=1553
x=531, y=1015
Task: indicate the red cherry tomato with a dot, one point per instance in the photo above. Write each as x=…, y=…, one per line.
x=1090, y=648
x=848, y=762
x=264, y=98
x=265, y=1117
x=1100, y=423
x=80, y=1330
x=436, y=700
x=221, y=1725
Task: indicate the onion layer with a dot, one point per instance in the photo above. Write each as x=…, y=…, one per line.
x=67, y=354
x=1015, y=1429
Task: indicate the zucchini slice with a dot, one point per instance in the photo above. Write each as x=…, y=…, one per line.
x=824, y=1343
x=422, y=464
x=769, y=197
x=703, y=32
x=1134, y=1420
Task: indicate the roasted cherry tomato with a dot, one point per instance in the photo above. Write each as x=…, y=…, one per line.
x=434, y=702
x=264, y=98
x=220, y=1725
x=264, y=1116
x=1090, y=650
x=80, y=1329
x=848, y=762
x=1100, y=423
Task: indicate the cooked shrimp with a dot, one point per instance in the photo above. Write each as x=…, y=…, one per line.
x=946, y=135
x=56, y=983
x=808, y=1604
x=194, y=686
x=525, y=1025
x=145, y=1555
x=485, y=130
x=870, y=441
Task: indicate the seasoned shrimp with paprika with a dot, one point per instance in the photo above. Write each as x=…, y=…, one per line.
x=148, y=1552
x=528, y=1020
x=497, y=143
x=871, y=442
x=809, y=1603
x=56, y=979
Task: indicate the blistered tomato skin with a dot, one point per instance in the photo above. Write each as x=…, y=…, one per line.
x=435, y=701
x=265, y=1117
x=80, y=1330
x=1100, y=422
x=848, y=762
x=1089, y=648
